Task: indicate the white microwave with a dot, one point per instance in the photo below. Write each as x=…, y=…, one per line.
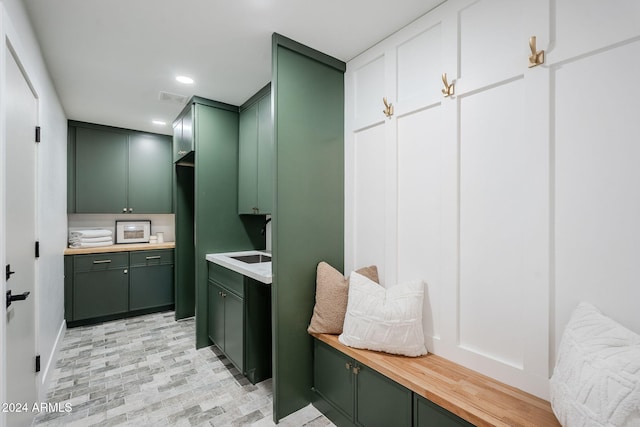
x=135, y=231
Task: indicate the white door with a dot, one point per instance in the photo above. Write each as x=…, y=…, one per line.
x=20, y=243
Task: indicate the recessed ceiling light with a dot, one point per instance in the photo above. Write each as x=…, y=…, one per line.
x=184, y=79
x=159, y=122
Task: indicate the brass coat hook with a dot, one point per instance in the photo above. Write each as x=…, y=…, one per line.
x=449, y=89
x=388, y=108
x=537, y=56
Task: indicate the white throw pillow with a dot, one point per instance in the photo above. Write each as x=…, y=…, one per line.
x=596, y=380
x=380, y=319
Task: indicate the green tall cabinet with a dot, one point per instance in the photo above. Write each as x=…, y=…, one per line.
x=206, y=203
x=308, y=216
x=113, y=170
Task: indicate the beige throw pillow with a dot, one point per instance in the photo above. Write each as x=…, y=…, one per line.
x=332, y=291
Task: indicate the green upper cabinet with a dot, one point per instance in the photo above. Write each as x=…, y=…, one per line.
x=183, y=141
x=118, y=171
x=150, y=174
x=255, y=177
x=100, y=171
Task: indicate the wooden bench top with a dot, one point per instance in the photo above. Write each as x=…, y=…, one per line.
x=473, y=397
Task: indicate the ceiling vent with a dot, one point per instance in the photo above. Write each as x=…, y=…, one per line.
x=173, y=98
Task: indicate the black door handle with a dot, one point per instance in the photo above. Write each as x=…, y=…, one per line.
x=21, y=297
x=9, y=272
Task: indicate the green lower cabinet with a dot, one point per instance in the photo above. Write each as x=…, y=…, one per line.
x=100, y=285
x=356, y=394
x=239, y=321
x=428, y=414
x=151, y=279
x=106, y=286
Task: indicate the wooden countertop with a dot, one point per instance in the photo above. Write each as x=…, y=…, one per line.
x=120, y=248
x=470, y=395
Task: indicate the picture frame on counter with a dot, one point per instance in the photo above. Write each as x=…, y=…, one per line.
x=133, y=231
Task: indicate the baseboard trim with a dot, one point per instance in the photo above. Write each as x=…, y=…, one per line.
x=51, y=364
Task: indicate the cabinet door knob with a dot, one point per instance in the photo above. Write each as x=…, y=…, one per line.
x=124, y=210
x=347, y=366
x=130, y=210
x=356, y=370
x=126, y=271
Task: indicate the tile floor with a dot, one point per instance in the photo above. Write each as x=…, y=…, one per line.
x=145, y=371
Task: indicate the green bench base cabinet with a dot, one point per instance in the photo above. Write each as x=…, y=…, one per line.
x=239, y=321
x=108, y=286
x=352, y=394
x=427, y=414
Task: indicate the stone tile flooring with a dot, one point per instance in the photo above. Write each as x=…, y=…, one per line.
x=145, y=371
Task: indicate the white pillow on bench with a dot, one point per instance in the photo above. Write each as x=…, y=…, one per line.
x=380, y=319
x=596, y=380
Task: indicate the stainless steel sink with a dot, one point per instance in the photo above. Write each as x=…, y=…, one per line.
x=252, y=259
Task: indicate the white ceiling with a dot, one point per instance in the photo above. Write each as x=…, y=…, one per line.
x=109, y=60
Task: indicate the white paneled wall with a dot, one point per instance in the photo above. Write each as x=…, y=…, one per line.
x=512, y=200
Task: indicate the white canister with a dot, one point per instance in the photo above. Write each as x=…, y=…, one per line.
x=160, y=235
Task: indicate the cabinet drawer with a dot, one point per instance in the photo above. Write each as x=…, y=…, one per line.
x=229, y=279
x=155, y=257
x=100, y=262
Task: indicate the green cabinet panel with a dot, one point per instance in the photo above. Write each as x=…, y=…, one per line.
x=216, y=315
x=150, y=174
x=68, y=288
x=185, y=264
x=100, y=293
x=255, y=170
x=234, y=329
x=308, y=216
x=381, y=402
x=428, y=414
x=114, y=170
x=100, y=171
x=333, y=378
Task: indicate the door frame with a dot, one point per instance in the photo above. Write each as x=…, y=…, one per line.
x=11, y=45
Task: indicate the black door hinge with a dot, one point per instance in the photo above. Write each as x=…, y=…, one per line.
x=38, y=363
x=37, y=249
x=37, y=133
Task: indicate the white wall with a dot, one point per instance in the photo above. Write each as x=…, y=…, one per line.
x=514, y=199
x=52, y=217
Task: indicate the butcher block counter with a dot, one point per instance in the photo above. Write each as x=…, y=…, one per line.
x=129, y=247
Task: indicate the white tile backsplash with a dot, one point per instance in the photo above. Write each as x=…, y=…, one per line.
x=159, y=222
